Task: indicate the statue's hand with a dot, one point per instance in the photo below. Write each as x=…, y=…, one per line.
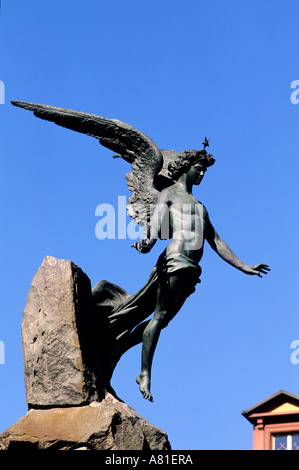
x=144, y=246
x=256, y=270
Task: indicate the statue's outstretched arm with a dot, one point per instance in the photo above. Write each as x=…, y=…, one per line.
x=224, y=251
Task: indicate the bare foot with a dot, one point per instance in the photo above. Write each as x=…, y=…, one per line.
x=144, y=382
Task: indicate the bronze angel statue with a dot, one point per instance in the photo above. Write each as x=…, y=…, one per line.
x=162, y=203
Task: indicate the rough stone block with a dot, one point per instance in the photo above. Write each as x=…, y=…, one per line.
x=55, y=328
x=109, y=425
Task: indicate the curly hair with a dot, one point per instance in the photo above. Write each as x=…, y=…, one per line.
x=187, y=159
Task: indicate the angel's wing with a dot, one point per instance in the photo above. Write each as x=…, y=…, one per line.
x=132, y=145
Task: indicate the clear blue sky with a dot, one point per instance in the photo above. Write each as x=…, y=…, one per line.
x=178, y=70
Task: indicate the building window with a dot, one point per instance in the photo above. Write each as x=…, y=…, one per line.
x=295, y=442
x=286, y=442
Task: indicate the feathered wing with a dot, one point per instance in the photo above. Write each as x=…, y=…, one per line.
x=132, y=145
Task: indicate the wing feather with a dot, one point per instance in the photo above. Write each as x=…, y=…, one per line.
x=134, y=146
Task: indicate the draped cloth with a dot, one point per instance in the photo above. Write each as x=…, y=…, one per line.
x=121, y=317
x=124, y=311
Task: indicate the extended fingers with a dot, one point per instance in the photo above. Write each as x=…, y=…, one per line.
x=263, y=268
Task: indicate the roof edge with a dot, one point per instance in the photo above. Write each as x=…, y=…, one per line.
x=273, y=397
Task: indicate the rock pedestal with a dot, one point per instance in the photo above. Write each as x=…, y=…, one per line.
x=56, y=328
x=109, y=425
x=70, y=401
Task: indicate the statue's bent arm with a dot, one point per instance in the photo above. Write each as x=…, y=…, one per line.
x=159, y=215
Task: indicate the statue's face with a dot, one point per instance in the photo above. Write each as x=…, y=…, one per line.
x=196, y=173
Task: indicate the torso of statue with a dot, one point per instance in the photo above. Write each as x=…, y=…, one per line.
x=185, y=223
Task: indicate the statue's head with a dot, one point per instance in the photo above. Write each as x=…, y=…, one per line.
x=188, y=159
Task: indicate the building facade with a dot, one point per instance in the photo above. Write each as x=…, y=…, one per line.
x=275, y=422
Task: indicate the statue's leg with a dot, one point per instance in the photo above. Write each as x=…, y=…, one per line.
x=169, y=295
